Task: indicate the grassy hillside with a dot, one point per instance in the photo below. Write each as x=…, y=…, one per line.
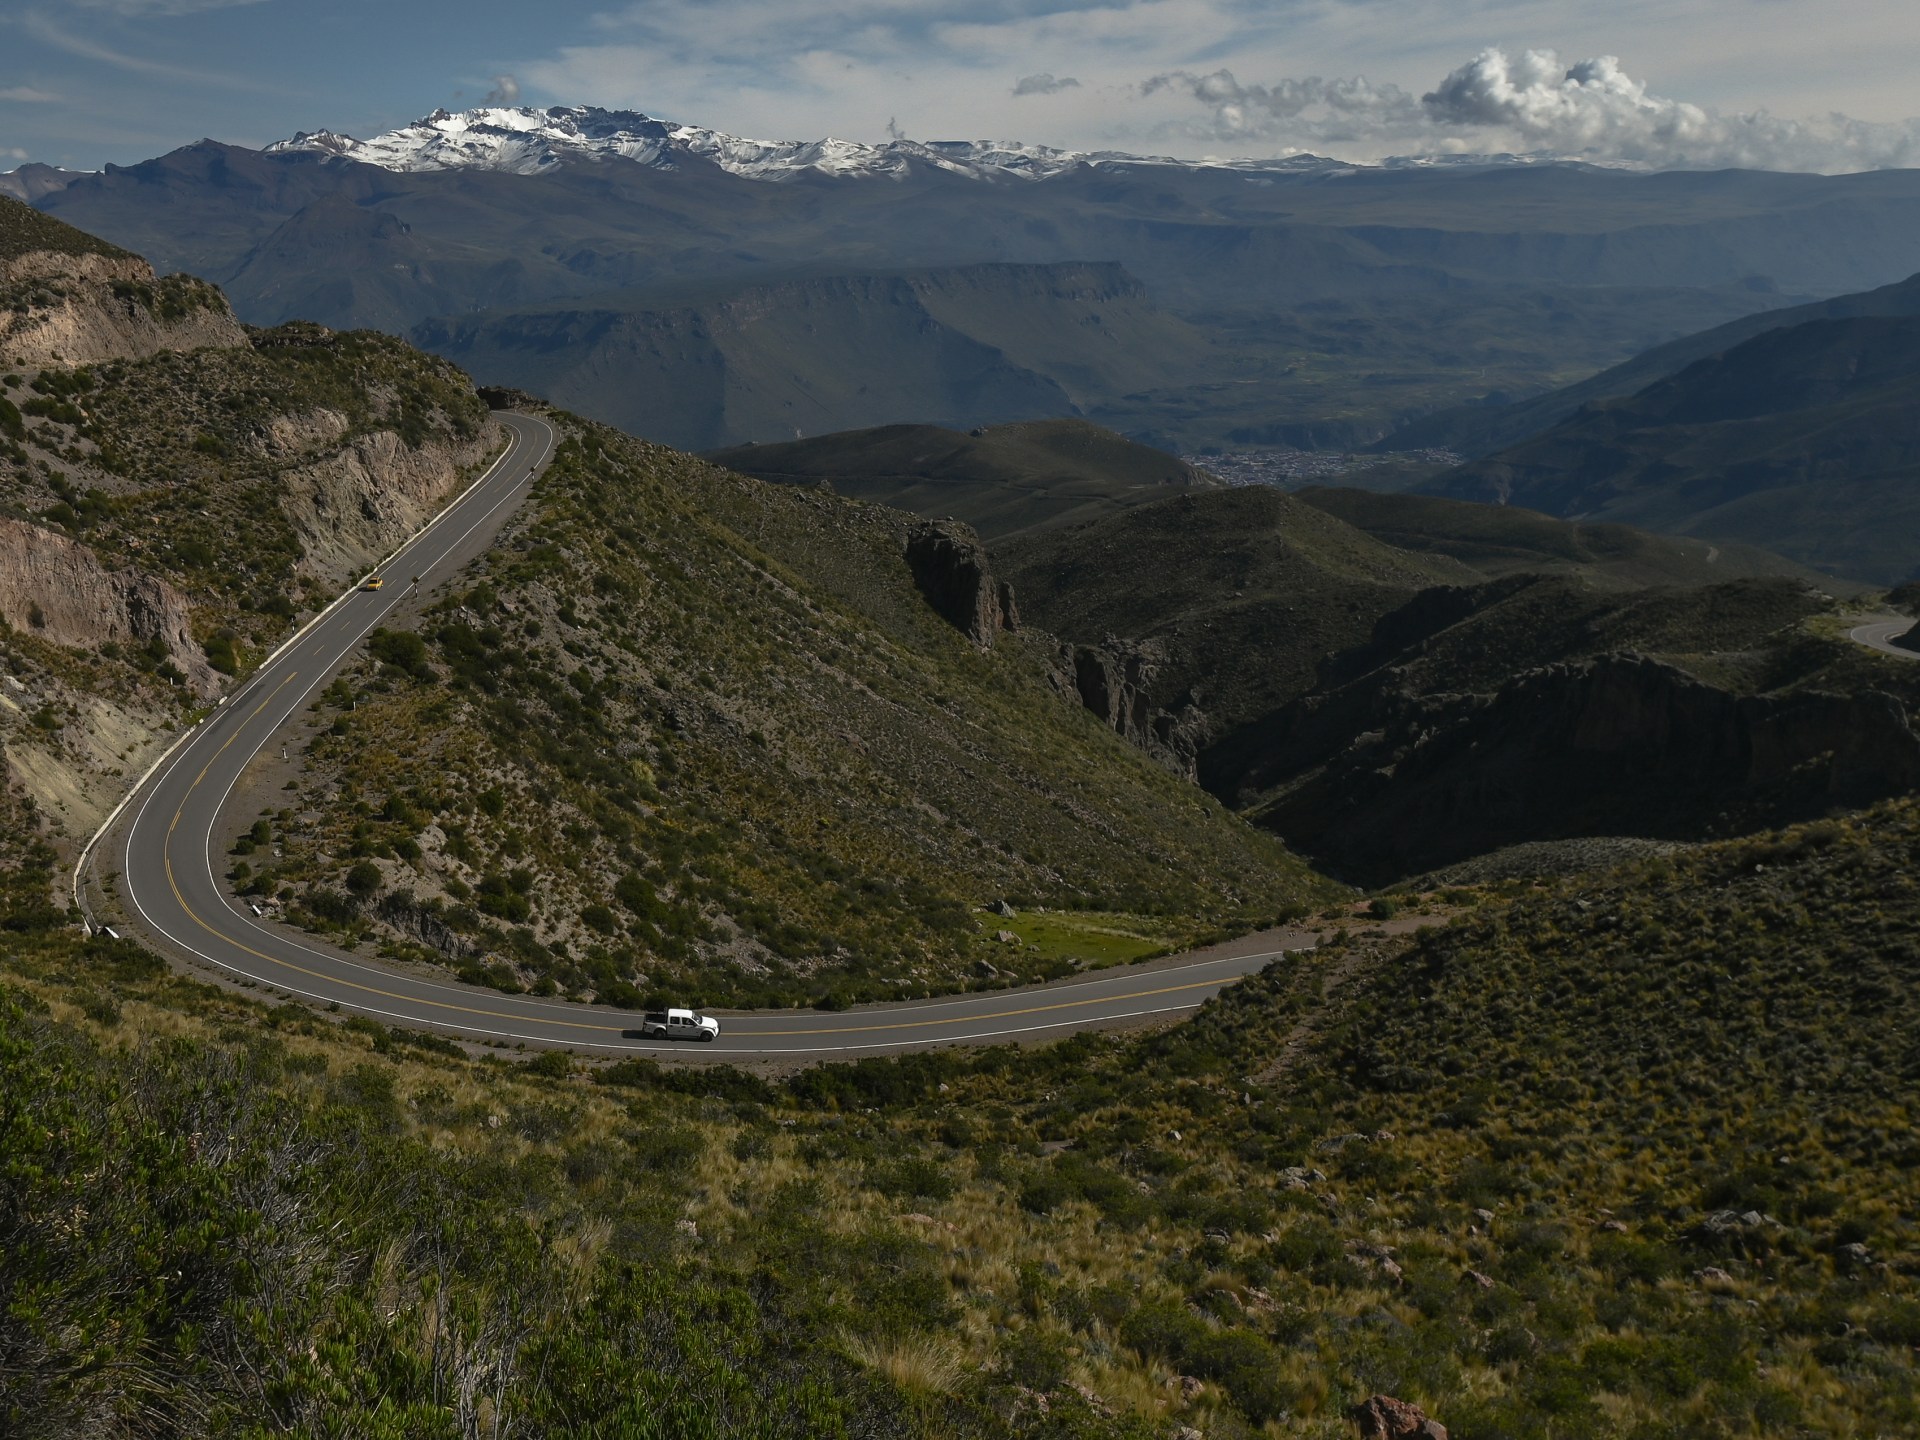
x=24, y=230
x=1001, y=480
x=1628, y=1156
x=685, y=732
x=1502, y=540
x=1248, y=591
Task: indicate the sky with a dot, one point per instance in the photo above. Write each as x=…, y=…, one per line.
x=1777, y=84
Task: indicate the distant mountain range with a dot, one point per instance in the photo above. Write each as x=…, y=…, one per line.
x=1314, y=300
x=526, y=141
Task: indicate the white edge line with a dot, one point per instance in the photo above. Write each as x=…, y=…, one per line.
x=86, y=850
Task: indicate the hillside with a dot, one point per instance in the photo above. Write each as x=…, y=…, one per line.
x=1801, y=440
x=685, y=733
x=173, y=506
x=1625, y=1155
x=1439, y=680
x=1500, y=540
x=1241, y=596
x=958, y=348
x=1481, y=429
x=67, y=297
x=1000, y=479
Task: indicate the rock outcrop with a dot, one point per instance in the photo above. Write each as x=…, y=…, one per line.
x=1617, y=745
x=1382, y=1417
x=1114, y=680
x=79, y=309
x=356, y=504
x=952, y=569
x=57, y=588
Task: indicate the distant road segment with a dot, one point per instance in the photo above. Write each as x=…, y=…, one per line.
x=1878, y=634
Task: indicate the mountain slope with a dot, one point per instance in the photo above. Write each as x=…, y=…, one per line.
x=1480, y=430
x=1000, y=480
x=1242, y=595
x=960, y=348
x=1802, y=440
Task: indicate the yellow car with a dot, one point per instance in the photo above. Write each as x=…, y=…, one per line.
x=374, y=582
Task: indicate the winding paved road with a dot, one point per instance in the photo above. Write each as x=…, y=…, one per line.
x=163, y=847
x=1877, y=634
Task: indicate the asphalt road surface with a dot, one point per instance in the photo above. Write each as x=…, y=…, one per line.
x=1878, y=633
x=163, y=847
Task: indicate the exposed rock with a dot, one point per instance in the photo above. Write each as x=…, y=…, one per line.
x=953, y=571
x=1002, y=909
x=1006, y=937
x=417, y=922
x=1618, y=745
x=1382, y=1417
x=69, y=309
x=58, y=589
x=1476, y=1279
x=1712, y=1275
x=1854, y=1256
x=1113, y=680
x=355, y=505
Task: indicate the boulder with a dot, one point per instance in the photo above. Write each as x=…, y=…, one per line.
x=1382, y=1417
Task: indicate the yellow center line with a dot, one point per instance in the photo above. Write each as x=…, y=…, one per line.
x=193, y=915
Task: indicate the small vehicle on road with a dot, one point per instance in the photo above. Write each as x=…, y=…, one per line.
x=679, y=1025
x=374, y=582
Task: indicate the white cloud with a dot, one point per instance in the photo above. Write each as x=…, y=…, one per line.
x=794, y=69
x=28, y=95
x=80, y=46
x=505, y=91
x=136, y=8
x=1529, y=102
x=1044, y=84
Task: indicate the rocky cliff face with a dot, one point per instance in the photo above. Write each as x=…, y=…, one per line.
x=79, y=309
x=952, y=569
x=1114, y=680
x=58, y=589
x=360, y=498
x=1618, y=745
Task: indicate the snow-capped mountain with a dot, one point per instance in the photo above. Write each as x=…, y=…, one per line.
x=526, y=141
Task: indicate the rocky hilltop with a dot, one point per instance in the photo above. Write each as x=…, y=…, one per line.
x=180, y=491
x=68, y=299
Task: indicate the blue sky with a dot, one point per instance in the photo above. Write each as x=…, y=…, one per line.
x=84, y=82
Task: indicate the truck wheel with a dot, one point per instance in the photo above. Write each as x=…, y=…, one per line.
x=709, y=1036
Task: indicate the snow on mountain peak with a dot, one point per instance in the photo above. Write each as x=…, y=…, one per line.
x=526, y=141
x=523, y=140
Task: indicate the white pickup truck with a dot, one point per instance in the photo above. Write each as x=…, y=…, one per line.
x=679, y=1025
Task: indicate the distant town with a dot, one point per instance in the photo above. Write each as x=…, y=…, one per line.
x=1297, y=469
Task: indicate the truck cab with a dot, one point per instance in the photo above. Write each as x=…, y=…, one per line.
x=679, y=1025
